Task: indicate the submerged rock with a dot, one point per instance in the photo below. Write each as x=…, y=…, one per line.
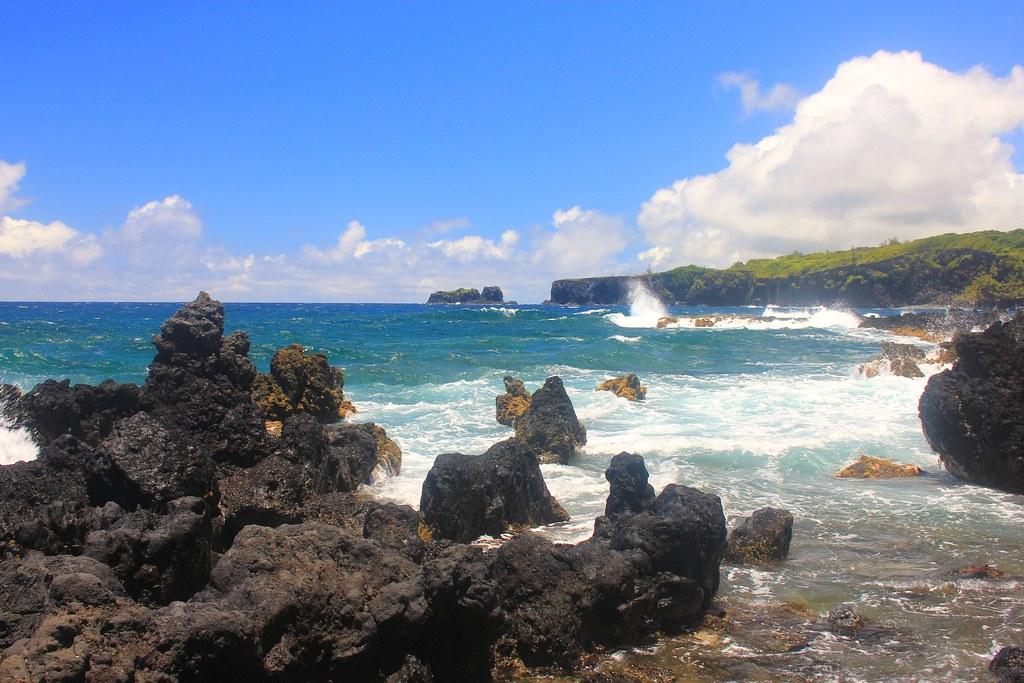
x=465, y=496
x=870, y=467
x=844, y=619
x=550, y=424
x=1008, y=665
x=972, y=413
x=625, y=386
x=300, y=383
x=511, y=405
x=762, y=537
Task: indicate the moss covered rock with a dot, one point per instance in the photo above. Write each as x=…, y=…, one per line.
x=300, y=383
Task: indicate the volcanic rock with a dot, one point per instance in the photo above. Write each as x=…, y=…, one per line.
x=465, y=496
x=1008, y=665
x=85, y=412
x=157, y=558
x=629, y=490
x=550, y=424
x=972, y=414
x=511, y=405
x=145, y=463
x=626, y=386
x=763, y=537
x=300, y=383
x=200, y=382
x=870, y=467
x=641, y=573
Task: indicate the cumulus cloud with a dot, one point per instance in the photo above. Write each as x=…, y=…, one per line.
x=352, y=243
x=10, y=178
x=891, y=146
x=19, y=238
x=472, y=247
x=583, y=242
x=779, y=96
x=172, y=217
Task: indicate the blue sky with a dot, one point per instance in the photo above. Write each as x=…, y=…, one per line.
x=259, y=132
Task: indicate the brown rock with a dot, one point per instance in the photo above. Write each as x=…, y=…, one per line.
x=704, y=322
x=870, y=467
x=273, y=427
x=981, y=571
x=665, y=322
x=905, y=367
x=511, y=405
x=919, y=333
x=625, y=386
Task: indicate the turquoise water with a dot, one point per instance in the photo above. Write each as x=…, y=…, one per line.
x=760, y=410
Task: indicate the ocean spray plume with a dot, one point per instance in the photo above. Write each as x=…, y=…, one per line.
x=645, y=309
x=16, y=443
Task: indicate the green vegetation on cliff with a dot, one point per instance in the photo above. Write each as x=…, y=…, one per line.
x=983, y=268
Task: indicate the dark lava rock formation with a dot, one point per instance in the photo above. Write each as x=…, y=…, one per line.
x=550, y=424
x=973, y=413
x=200, y=382
x=762, y=537
x=651, y=567
x=162, y=535
x=469, y=295
x=1008, y=665
x=465, y=496
x=300, y=383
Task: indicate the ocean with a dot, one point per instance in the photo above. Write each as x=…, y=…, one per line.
x=761, y=409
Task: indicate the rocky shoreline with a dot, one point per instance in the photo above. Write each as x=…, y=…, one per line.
x=165, y=532
x=211, y=525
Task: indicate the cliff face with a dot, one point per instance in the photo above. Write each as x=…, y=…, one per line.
x=964, y=269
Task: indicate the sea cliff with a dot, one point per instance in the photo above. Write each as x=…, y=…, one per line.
x=983, y=268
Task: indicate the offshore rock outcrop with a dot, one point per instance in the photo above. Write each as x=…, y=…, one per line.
x=550, y=424
x=643, y=571
x=870, y=467
x=469, y=295
x=972, y=413
x=466, y=496
x=300, y=383
x=511, y=405
x=761, y=538
x=625, y=386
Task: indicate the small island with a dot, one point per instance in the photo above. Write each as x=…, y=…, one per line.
x=469, y=295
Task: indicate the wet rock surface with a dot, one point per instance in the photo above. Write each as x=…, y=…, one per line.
x=972, y=414
x=1008, y=665
x=550, y=424
x=870, y=467
x=763, y=537
x=625, y=386
x=465, y=496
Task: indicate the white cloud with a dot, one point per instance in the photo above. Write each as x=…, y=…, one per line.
x=171, y=217
x=19, y=238
x=352, y=243
x=473, y=247
x=584, y=242
x=890, y=146
x=10, y=179
x=779, y=96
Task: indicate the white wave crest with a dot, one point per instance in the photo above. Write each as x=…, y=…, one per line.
x=624, y=339
x=507, y=312
x=594, y=311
